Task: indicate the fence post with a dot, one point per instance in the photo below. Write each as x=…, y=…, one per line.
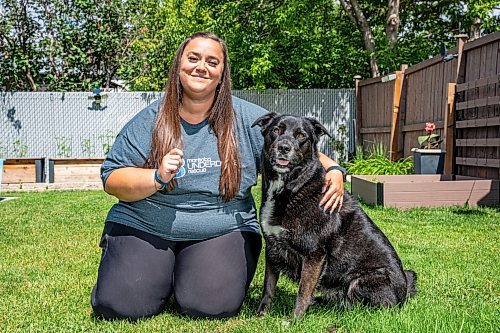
x=449, y=130
x=459, y=75
x=449, y=120
x=357, y=139
x=396, y=102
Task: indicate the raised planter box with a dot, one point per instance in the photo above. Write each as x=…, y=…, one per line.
x=75, y=170
x=406, y=191
x=23, y=170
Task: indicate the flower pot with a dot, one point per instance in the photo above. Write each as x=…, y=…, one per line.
x=428, y=161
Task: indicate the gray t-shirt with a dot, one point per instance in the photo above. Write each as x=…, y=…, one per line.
x=194, y=209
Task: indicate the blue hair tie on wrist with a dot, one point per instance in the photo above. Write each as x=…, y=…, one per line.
x=159, y=181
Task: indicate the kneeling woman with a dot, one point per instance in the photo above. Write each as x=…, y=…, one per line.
x=185, y=223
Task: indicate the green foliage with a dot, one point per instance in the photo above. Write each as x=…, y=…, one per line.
x=160, y=27
x=63, y=45
x=19, y=149
x=339, y=145
x=429, y=141
x=291, y=44
x=77, y=45
x=377, y=162
x=87, y=147
x=424, y=26
x=4, y=150
x=107, y=139
x=63, y=146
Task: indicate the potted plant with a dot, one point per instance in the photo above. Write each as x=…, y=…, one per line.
x=429, y=159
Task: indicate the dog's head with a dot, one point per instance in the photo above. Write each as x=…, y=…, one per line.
x=289, y=141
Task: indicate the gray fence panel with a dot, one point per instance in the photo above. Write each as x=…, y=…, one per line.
x=52, y=124
x=72, y=124
x=334, y=108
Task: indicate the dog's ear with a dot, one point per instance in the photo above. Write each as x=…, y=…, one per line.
x=319, y=129
x=264, y=120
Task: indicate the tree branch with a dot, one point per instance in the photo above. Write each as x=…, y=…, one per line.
x=348, y=9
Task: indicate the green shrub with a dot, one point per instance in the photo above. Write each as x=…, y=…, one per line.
x=377, y=162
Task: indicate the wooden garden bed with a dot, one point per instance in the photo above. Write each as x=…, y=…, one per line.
x=23, y=170
x=75, y=170
x=408, y=191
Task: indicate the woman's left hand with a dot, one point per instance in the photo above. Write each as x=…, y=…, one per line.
x=334, y=191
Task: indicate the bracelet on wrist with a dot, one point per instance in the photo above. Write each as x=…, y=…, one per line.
x=163, y=184
x=339, y=168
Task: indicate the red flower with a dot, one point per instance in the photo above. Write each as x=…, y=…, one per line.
x=429, y=141
x=430, y=127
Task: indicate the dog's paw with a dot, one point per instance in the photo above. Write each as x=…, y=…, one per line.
x=290, y=321
x=319, y=301
x=263, y=307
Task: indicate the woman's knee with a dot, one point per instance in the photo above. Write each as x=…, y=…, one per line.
x=216, y=306
x=110, y=305
x=134, y=279
x=212, y=276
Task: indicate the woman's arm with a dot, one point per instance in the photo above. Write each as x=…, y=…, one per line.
x=133, y=184
x=334, y=181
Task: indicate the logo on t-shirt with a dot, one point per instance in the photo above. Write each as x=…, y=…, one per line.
x=196, y=165
x=182, y=171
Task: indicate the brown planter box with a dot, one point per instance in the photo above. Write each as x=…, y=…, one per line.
x=23, y=170
x=75, y=170
x=406, y=191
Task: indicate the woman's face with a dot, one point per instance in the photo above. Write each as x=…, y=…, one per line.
x=202, y=64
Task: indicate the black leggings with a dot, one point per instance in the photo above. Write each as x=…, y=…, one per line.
x=138, y=273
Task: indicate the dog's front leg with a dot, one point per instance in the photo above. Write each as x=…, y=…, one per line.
x=270, y=280
x=309, y=277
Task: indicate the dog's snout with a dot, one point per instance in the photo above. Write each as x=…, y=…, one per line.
x=284, y=147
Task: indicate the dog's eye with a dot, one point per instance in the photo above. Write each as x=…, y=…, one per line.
x=300, y=136
x=276, y=130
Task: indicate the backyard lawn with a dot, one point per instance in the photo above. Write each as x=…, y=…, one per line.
x=49, y=256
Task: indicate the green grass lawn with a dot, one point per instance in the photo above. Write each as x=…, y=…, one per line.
x=49, y=256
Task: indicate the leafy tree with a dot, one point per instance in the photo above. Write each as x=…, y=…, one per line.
x=160, y=27
x=407, y=31
x=63, y=44
x=80, y=44
x=19, y=32
x=289, y=44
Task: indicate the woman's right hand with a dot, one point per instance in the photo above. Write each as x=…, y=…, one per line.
x=170, y=164
x=133, y=183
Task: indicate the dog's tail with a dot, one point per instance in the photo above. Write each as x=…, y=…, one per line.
x=411, y=283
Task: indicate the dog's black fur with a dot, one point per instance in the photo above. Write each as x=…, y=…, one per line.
x=344, y=255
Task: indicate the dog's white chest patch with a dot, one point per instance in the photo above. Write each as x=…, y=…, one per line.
x=275, y=186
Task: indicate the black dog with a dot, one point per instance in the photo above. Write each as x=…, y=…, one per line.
x=344, y=255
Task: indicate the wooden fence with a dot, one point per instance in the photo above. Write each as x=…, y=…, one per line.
x=459, y=93
x=477, y=111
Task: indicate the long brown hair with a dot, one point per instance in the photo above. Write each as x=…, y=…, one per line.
x=221, y=119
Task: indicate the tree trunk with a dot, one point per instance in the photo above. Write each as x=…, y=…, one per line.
x=356, y=15
x=475, y=29
x=392, y=24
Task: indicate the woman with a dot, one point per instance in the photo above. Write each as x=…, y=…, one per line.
x=185, y=222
